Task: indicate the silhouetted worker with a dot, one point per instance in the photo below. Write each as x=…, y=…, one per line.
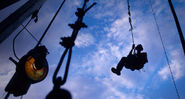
x=132, y=61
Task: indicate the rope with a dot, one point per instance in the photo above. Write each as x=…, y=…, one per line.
x=68, y=43
x=177, y=92
x=60, y=64
x=17, y=36
x=7, y=95
x=50, y=24
x=130, y=21
x=21, y=97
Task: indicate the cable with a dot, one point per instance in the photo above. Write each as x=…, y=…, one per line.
x=30, y=33
x=17, y=36
x=50, y=23
x=177, y=92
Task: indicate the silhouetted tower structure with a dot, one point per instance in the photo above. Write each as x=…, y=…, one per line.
x=6, y=3
x=178, y=25
x=13, y=21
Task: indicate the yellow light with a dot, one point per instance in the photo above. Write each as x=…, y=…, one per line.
x=32, y=72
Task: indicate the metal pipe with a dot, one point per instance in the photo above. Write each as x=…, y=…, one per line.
x=178, y=25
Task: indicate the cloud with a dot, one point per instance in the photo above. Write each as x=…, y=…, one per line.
x=119, y=29
x=177, y=66
x=90, y=75
x=113, y=92
x=97, y=88
x=107, y=9
x=84, y=40
x=6, y=77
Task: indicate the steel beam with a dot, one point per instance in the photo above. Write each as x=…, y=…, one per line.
x=13, y=21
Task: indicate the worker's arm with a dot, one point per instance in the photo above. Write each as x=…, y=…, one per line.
x=133, y=46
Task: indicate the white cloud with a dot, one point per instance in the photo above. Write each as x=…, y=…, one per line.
x=98, y=88
x=119, y=29
x=84, y=40
x=107, y=8
x=6, y=76
x=177, y=66
x=93, y=78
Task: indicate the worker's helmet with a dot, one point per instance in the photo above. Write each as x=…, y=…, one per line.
x=139, y=47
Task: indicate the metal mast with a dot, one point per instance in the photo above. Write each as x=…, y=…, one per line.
x=178, y=25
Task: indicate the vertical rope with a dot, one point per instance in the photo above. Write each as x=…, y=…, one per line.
x=21, y=97
x=177, y=92
x=130, y=21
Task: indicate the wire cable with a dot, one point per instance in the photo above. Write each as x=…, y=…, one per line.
x=167, y=59
x=30, y=33
x=50, y=24
x=17, y=36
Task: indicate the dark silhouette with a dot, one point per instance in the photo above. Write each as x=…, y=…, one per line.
x=68, y=43
x=177, y=25
x=133, y=61
x=58, y=93
x=23, y=78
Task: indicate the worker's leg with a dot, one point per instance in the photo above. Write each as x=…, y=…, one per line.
x=121, y=64
x=119, y=67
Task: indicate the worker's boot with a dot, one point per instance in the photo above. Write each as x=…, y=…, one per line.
x=114, y=70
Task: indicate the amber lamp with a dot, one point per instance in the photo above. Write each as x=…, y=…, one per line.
x=31, y=68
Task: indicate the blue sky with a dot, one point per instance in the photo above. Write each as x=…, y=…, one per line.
x=100, y=47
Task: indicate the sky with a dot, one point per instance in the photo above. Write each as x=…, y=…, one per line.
x=100, y=47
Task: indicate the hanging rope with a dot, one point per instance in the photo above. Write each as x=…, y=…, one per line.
x=40, y=40
x=177, y=92
x=21, y=97
x=130, y=21
x=68, y=43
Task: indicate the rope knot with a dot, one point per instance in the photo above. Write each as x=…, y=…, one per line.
x=67, y=42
